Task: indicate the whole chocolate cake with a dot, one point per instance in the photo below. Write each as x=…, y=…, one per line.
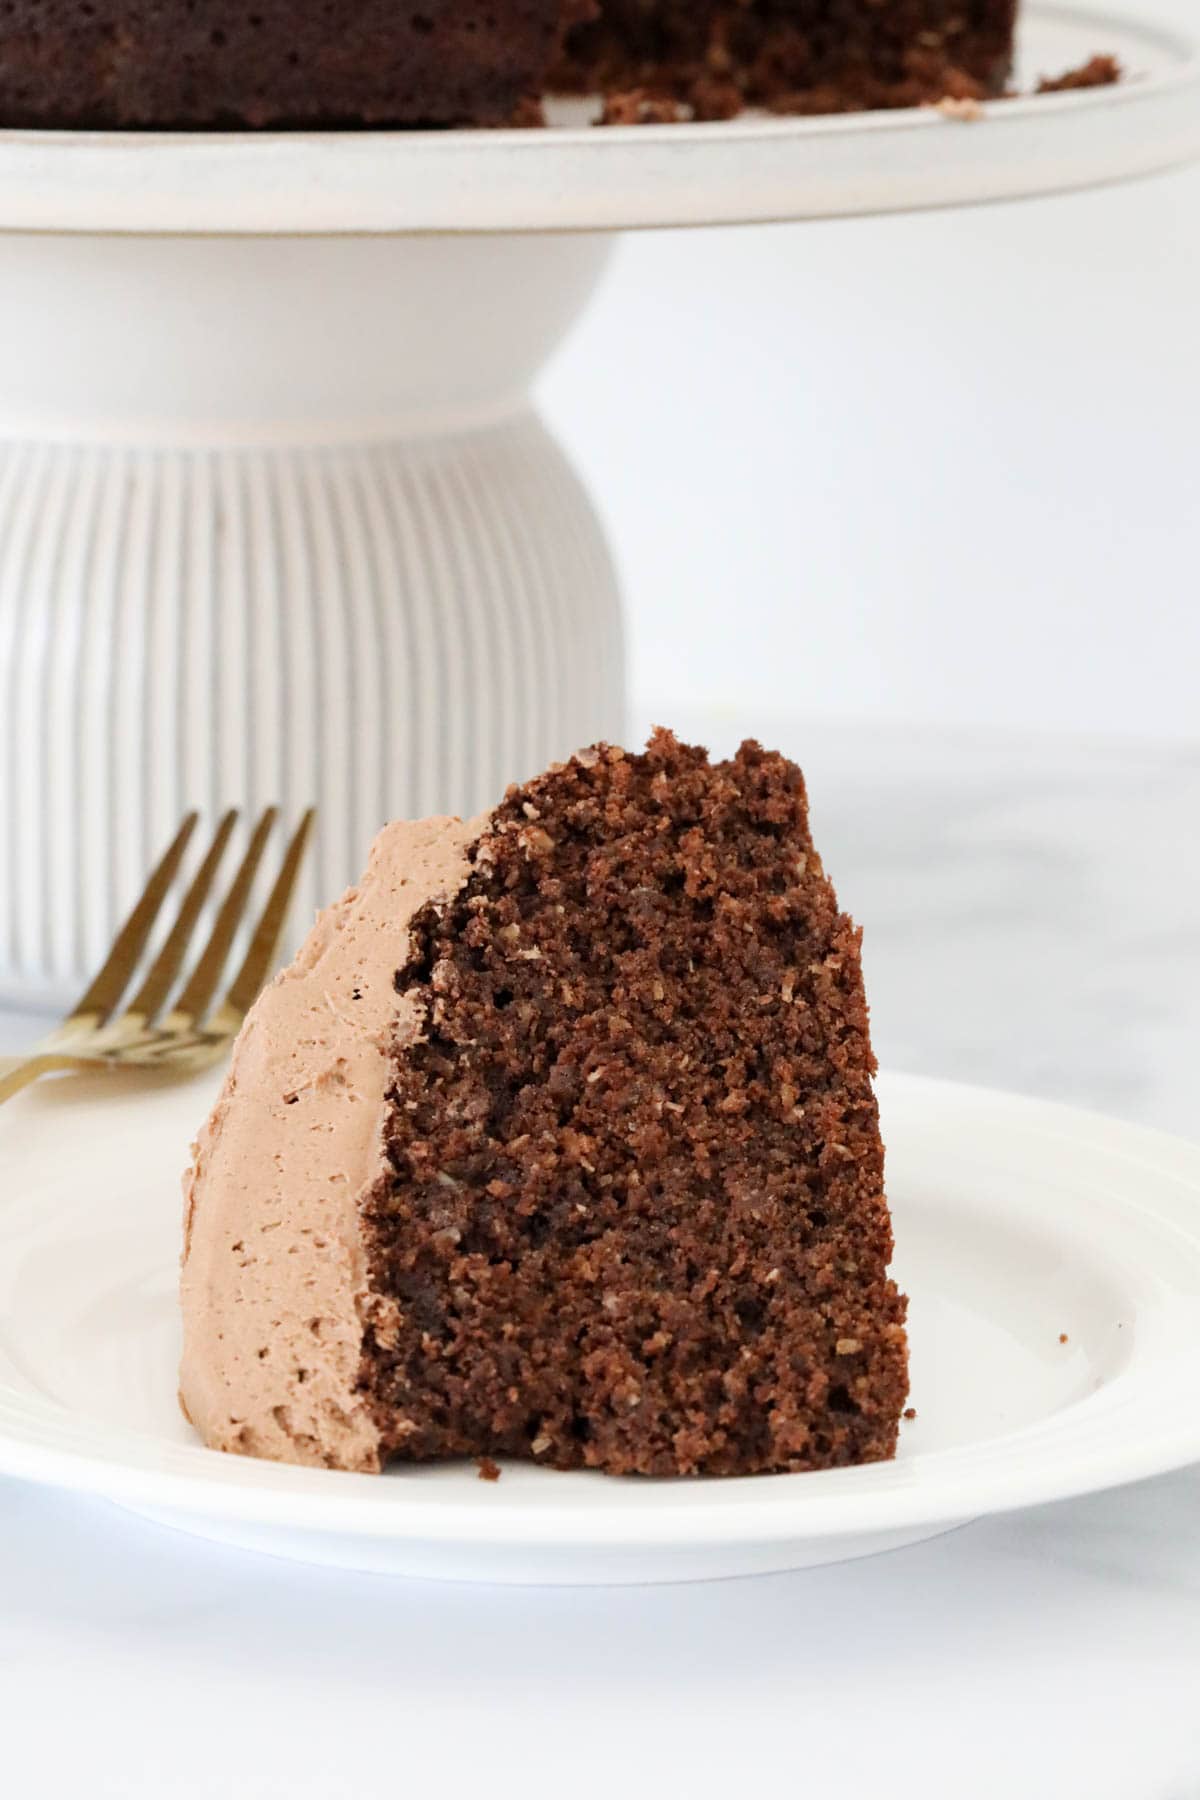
x=336, y=63
x=558, y=1142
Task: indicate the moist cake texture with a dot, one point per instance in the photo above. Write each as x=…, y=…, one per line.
x=792, y=56
x=634, y=1217
x=620, y=1203
x=179, y=64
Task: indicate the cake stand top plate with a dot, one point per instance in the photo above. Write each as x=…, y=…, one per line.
x=572, y=177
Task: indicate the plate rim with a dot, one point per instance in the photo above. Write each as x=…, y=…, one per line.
x=929, y=1488
x=625, y=177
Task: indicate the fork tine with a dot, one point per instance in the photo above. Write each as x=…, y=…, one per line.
x=192, y=1004
x=147, y=1002
x=269, y=930
x=113, y=979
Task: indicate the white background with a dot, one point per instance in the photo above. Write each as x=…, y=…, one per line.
x=939, y=468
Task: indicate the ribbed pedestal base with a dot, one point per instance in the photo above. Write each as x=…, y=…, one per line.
x=383, y=629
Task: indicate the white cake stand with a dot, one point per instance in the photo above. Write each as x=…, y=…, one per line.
x=277, y=518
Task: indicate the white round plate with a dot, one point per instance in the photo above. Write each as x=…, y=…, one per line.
x=1019, y=1225
x=573, y=177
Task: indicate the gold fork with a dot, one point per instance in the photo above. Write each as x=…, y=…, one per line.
x=193, y=1032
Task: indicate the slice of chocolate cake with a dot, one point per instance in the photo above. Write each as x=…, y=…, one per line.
x=559, y=1142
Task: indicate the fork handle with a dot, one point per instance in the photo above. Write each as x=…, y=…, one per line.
x=17, y=1072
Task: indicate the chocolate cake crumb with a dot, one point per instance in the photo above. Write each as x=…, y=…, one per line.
x=966, y=110
x=529, y=114
x=488, y=1469
x=634, y=1216
x=638, y=106
x=1098, y=71
x=1063, y=1338
x=910, y=1412
x=714, y=97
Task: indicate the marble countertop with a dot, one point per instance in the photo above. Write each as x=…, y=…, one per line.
x=1032, y=918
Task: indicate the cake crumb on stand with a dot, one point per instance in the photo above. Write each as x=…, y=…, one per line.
x=639, y=106
x=1098, y=71
x=966, y=109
